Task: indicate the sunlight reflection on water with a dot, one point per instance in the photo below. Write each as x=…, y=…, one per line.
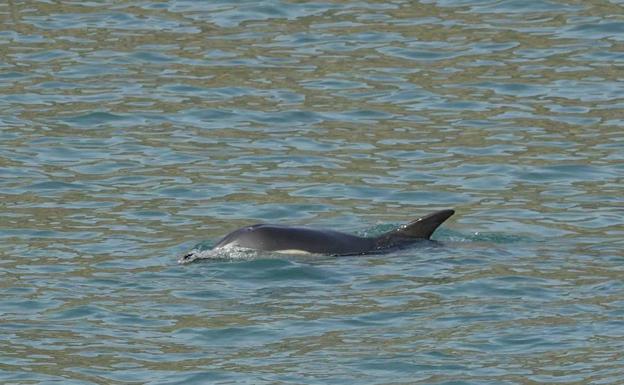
x=129, y=133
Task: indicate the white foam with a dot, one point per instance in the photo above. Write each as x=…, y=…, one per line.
x=231, y=252
x=227, y=252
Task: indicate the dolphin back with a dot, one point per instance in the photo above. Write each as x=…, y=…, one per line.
x=418, y=229
x=269, y=237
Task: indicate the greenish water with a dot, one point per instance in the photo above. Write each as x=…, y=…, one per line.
x=132, y=131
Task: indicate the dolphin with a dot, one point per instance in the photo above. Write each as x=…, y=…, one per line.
x=302, y=240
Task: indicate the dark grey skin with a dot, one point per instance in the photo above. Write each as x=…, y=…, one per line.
x=286, y=239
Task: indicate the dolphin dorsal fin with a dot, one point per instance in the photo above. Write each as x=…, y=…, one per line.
x=420, y=228
x=423, y=227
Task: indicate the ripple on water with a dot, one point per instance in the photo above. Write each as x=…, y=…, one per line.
x=131, y=133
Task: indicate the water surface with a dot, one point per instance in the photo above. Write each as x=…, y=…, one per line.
x=132, y=131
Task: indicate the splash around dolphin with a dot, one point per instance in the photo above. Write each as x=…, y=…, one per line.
x=303, y=240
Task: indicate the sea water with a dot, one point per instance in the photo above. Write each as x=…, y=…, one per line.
x=130, y=132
